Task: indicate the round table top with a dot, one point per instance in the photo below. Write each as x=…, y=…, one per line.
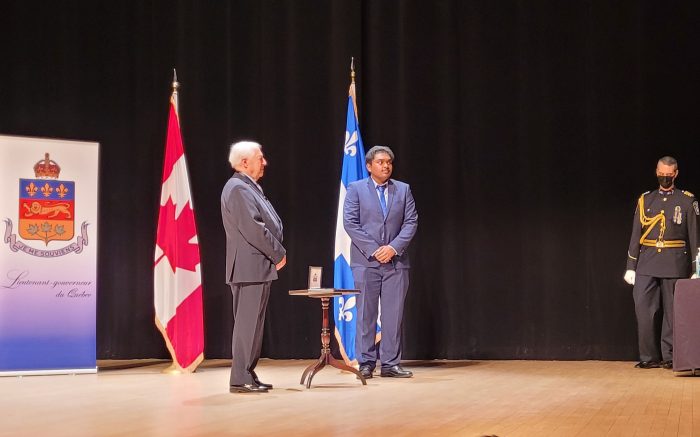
x=323, y=292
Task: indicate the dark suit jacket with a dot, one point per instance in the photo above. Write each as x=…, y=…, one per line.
x=368, y=229
x=253, y=232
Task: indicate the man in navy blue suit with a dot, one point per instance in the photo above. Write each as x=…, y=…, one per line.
x=380, y=217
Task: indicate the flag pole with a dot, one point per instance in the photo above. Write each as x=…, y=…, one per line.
x=352, y=69
x=176, y=86
x=352, y=92
x=353, y=169
x=180, y=324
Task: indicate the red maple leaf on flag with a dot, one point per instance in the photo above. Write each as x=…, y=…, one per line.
x=174, y=235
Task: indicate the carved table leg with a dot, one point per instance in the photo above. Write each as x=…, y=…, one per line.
x=342, y=366
x=320, y=365
x=310, y=368
x=326, y=356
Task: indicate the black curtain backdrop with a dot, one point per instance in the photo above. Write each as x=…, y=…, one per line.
x=526, y=130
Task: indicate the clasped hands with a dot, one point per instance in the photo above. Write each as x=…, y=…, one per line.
x=384, y=254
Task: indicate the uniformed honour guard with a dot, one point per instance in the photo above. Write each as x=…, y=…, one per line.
x=662, y=249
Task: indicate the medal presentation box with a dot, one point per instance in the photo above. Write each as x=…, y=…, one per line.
x=48, y=255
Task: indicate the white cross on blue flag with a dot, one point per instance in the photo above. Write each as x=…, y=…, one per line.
x=353, y=169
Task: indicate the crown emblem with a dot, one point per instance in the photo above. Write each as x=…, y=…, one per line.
x=47, y=168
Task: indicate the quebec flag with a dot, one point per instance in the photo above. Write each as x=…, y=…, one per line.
x=353, y=169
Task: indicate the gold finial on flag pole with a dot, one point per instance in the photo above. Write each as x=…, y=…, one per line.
x=351, y=91
x=176, y=84
x=352, y=69
x=174, y=97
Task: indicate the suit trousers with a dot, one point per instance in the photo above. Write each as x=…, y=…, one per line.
x=653, y=304
x=390, y=284
x=249, y=306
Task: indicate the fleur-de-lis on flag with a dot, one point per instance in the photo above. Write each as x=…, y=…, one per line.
x=344, y=308
x=350, y=141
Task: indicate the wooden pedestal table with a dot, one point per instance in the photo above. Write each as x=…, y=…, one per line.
x=325, y=295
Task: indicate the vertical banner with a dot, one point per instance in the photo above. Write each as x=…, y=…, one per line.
x=48, y=255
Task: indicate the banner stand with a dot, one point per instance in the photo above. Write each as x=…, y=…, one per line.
x=48, y=256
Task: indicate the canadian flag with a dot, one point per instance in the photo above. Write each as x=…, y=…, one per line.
x=177, y=277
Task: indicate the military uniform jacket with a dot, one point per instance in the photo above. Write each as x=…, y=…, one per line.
x=664, y=240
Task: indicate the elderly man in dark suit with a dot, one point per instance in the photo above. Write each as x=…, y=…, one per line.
x=254, y=254
x=380, y=217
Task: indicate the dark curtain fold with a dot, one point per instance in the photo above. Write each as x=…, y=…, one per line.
x=526, y=130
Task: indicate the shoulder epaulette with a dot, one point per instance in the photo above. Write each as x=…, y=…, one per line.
x=688, y=193
x=644, y=193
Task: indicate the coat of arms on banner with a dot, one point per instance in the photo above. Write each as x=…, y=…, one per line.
x=46, y=212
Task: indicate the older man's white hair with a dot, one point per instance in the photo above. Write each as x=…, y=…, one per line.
x=242, y=150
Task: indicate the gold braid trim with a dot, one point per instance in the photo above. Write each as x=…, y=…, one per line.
x=650, y=222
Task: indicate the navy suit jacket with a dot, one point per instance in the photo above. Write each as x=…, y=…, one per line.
x=253, y=232
x=364, y=222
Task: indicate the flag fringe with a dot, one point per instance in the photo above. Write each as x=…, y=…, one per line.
x=175, y=367
x=352, y=363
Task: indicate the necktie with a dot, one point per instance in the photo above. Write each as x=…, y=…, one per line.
x=382, y=200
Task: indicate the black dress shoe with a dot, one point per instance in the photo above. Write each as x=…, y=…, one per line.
x=668, y=364
x=396, y=372
x=648, y=365
x=264, y=385
x=366, y=371
x=259, y=383
x=246, y=388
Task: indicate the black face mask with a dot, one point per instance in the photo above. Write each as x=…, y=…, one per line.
x=665, y=181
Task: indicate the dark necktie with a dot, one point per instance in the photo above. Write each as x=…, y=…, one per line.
x=382, y=201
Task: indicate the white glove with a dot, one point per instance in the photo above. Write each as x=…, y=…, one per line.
x=629, y=276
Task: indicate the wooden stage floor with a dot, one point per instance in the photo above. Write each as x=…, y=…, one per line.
x=460, y=398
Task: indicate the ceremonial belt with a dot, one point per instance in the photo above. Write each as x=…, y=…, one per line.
x=650, y=222
x=663, y=244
